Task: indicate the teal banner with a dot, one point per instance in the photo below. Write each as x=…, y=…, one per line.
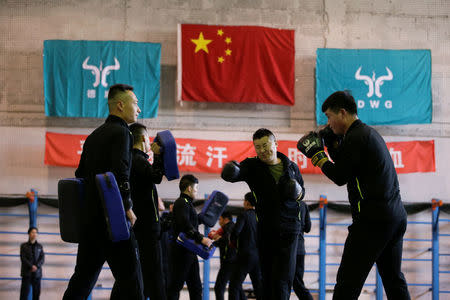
x=78, y=74
x=390, y=87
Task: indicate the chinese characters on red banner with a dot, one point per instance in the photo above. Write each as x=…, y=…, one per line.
x=209, y=156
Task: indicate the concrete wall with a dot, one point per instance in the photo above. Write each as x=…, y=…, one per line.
x=24, y=25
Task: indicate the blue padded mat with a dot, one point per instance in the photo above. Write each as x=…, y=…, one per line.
x=166, y=140
x=71, y=193
x=214, y=207
x=116, y=221
x=199, y=249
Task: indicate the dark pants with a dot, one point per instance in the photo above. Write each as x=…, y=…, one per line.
x=223, y=277
x=299, y=286
x=184, y=267
x=34, y=283
x=366, y=244
x=245, y=264
x=151, y=263
x=122, y=258
x=165, y=241
x=277, y=256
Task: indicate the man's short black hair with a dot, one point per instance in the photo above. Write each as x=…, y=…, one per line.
x=338, y=100
x=118, y=88
x=32, y=228
x=262, y=132
x=227, y=215
x=137, y=130
x=250, y=198
x=187, y=180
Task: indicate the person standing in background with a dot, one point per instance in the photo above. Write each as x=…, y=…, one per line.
x=32, y=257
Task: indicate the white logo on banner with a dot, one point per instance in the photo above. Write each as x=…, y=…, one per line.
x=100, y=73
x=374, y=84
x=396, y=158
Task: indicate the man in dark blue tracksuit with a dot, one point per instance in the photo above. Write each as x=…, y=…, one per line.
x=143, y=179
x=299, y=286
x=108, y=148
x=278, y=188
x=227, y=254
x=183, y=264
x=244, y=237
x=362, y=161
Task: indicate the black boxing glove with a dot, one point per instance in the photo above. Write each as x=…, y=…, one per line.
x=231, y=171
x=293, y=190
x=311, y=145
x=331, y=140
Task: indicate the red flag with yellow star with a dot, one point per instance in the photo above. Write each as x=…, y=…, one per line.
x=236, y=64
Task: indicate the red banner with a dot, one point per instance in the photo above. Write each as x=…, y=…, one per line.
x=236, y=64
x=208, y=156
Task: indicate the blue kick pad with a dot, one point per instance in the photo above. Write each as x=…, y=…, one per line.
x=166, y=140
x=71, y=193
x=199, y=249
x=213, y=208
x=116, y=221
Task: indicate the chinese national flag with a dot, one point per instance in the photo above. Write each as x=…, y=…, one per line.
x=236, y=64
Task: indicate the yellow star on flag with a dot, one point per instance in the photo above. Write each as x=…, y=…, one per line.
x=228, y=52
x=220, y=32
x=220, y=59
x=228, y=40
x=201, y=43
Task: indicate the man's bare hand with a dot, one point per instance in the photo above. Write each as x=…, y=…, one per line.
x=33, y=268
x=131, y=216
x=155, y=148
x=207, y=242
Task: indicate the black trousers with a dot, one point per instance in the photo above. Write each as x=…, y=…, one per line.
x=277, y=256
x=245, y=264
x=299, y=286
x=34, y=283
x=123, y=259
x=151, y=264
x=223, y=277
x=183, y=266
x=366, y=244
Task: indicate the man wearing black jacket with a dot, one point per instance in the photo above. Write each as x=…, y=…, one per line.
x=183, y=263
x=244, y=237
x=143, y=177
x=108, y=148
x=362, y=161
x=278, y=188
x=227, y=254
x=32, y=257
x=299, y=286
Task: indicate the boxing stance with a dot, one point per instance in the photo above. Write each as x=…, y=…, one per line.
x=143, y=179
x=108, y=148
x=183, y=264
x=362, y=161
x=278, y=188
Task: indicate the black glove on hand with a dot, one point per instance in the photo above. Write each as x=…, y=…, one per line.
x=331, y=140
x=311, y=145
x=231, y=171
x=293, y=190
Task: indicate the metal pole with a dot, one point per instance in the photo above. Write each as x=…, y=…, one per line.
x=322, y=246
x=206, y=268
x=32, y=207
x=378, y=286
x=435, y=248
